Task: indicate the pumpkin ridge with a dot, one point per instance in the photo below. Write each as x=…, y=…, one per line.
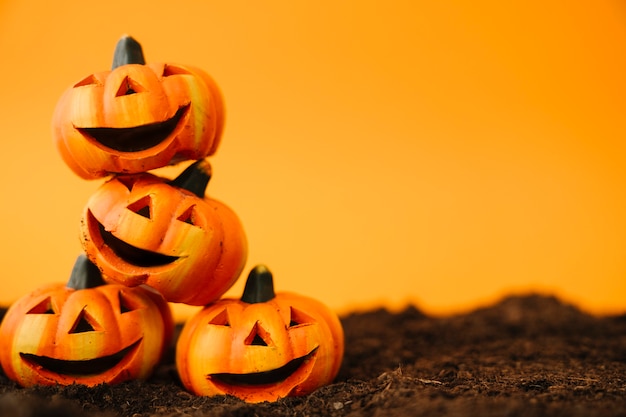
x=136, y=138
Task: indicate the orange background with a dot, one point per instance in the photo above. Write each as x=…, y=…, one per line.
x=441, y=153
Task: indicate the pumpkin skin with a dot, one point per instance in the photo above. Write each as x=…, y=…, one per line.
x=142, y=229
x=287, y=345
x=103, y=334
x=138, y=117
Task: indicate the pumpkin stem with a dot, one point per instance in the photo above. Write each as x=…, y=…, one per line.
x=259, y=286
x=127, y=51
x=85, y=274
x=194, y=178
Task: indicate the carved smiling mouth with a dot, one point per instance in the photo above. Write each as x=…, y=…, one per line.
x=138, y=138
x=132, y=254
x=79, y=367
x=263, y=378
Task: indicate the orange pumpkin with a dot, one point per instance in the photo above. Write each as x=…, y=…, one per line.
x=137, y=117
x=261, y=348
x=85, y=332
x=142, y=229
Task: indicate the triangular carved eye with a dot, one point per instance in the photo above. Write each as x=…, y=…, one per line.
x=258, y=337
x=126, y=303
x=298, y=318
x=221, y=319
x=90, y=80
x=142, y=207
x=189, y=216
x=169, y=70
x=44, y=307
x=84, y=323
x=128, y=87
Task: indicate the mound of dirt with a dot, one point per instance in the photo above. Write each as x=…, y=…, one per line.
x=524, y=356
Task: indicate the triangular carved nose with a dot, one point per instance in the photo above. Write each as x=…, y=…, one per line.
x=258, y=341
x=82, y=324
x=128, y=87
x=258, y=336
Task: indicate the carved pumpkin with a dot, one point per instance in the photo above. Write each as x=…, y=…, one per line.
x=261, y=348
x=86, y=332
x=138, y=116
x=142, y=229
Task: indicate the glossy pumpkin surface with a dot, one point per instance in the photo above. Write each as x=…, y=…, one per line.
x=137, y=117
x=264, y=348
x=143, y=229
x=86, y=335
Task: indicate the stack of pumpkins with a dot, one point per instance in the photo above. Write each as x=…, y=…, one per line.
x=149, y=241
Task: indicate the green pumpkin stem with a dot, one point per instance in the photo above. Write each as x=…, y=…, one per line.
x=194, y=178
x=85, y=274
x=127, y=51
x=259, y=286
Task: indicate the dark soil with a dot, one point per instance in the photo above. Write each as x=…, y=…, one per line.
x=525, y=356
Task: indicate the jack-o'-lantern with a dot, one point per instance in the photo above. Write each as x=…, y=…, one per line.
x=143, y=229
x=138, y=116
x=86, y=332
x=261, y=348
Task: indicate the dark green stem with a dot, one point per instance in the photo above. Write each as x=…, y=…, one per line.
x=194, y=178
x=127, y=51
x=259, y=286
x=85, y=274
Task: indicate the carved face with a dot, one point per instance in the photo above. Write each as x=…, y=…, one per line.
x=260, y=351
x=136, y=118
x=143, y=230
x=106, y=334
